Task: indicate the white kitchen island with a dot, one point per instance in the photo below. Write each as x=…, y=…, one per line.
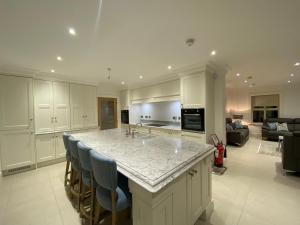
x=169, y=177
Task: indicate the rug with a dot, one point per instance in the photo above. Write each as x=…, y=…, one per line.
x=269, y=148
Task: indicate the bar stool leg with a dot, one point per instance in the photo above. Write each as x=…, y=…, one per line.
x=67, y=172
x=114, y=210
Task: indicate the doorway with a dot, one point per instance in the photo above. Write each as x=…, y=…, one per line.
x=107, y=113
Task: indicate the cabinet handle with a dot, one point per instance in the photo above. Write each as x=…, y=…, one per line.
x=191, y=173
x=55, y=119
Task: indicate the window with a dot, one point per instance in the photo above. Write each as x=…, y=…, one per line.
x=264, y=106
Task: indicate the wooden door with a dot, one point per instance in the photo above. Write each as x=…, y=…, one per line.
x=61, y=106
x=43, y=106
x=107, y=113
x=16, y=103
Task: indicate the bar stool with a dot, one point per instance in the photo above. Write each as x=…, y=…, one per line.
x=76, y=170
x=68, y=158
x=109, y=194
x=86, y=211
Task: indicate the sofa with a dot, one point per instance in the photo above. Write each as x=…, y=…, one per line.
x=291, y=152
x=234, y=135
x=272, y=134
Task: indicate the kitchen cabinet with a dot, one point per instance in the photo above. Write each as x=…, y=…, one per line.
x=197, y=137
x=49, y=147
x=124, y=99
x=83, y=106
x=52, y=106
x=168, y=91
x=192, y=88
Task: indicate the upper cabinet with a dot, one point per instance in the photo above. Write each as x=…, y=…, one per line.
x=124, y=99
x=16, y=104
x=83, y=106
x=167, y=91
x=52, y=106
x=193, y=93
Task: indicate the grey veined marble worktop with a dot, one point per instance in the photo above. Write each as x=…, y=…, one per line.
x=150, y=160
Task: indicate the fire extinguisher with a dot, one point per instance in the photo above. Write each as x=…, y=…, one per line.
x=219, y=155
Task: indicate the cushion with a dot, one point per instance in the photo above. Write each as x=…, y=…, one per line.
x=272, y=125
x=229, y=127
x=238, y=124
x=282, y=127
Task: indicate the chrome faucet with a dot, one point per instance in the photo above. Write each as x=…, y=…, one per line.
x=139, y=124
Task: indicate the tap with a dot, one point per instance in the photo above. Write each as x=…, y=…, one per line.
x=139, y=124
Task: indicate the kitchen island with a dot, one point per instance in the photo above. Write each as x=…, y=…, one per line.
x=169, y=177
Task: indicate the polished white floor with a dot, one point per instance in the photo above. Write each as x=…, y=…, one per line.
x=253, y=191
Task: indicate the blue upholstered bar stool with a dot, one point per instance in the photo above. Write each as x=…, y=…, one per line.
x=76, y=170
x=109, y=194
x=86, y=209
x=68, y=158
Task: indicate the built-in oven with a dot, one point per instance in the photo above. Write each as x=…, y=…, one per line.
x=125, y=116
x=192, y=120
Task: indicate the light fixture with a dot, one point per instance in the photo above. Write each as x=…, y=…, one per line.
x=289, y=81
x=245, y=81
x=52, y=71
x=292, y=75
x=213, y=52
x=59, y=58
x=169, y=67
x=141, y=77
x=297, y=64
x=123, y=82
x=72, y=31
x=238, y=74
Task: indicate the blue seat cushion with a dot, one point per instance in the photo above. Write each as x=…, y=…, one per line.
x=86, y=178
x=75, y=165
x=123, y=199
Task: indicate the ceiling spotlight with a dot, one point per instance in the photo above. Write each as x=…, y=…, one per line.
x=141, y=77
x=213, y=52
x=245, y=81
x=289, y=81
x=292, y=75
x=72, y=31
x=59, y=58
x=238, y=74
x=169, y=67
x=297, y=64
x=123, y=82
x=189, y=42
x=52, y=71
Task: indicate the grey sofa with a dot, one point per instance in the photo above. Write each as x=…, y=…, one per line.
x=269, y=134
x=291, y=152
x=237, y=136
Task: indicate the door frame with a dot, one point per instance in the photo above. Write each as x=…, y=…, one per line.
x=99, y=99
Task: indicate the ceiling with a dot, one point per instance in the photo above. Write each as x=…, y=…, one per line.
x=254, y=38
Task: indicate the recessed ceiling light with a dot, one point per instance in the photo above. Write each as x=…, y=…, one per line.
x=169, y=67
x=289, y=81
x=213, y=52
x=297, y=64
x=59, y=58
x=238, y=74
x=123, y=82
x=292, y=75
x=52, y=71
x=245, y=81
x=72, y=31
x=141, y=77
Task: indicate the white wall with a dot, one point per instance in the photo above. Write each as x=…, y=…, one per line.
x=162, y=111
x=239, y=100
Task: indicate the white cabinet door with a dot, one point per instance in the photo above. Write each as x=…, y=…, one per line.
x=16, y=103
x=45, y=147
x=90, y=106
x=61, y=105
x=17, y=149
x=207, y=180
x=195, y=193
x=124, y=99
x=163, y=213
x=60, y=151
x=77, y=116
x=193, y=91
x=43, y=104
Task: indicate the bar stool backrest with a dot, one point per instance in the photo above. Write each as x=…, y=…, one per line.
x=105, y=171
x=66, y=142
x=73, y=147
x=84, y=157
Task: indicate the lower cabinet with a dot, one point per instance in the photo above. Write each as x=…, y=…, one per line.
x=49, y=147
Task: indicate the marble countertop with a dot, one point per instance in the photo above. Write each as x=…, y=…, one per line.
x=150, y=160
x=168, y=126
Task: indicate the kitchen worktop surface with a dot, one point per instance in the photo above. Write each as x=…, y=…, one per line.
x=150, y=160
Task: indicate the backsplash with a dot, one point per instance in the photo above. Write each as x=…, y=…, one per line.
x=159, y=111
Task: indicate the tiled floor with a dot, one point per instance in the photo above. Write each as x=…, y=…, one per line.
x=253, y=191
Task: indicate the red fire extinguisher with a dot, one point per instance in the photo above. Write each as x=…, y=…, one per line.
x=220, y=151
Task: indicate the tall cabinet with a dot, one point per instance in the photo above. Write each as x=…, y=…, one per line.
x=16, y=122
